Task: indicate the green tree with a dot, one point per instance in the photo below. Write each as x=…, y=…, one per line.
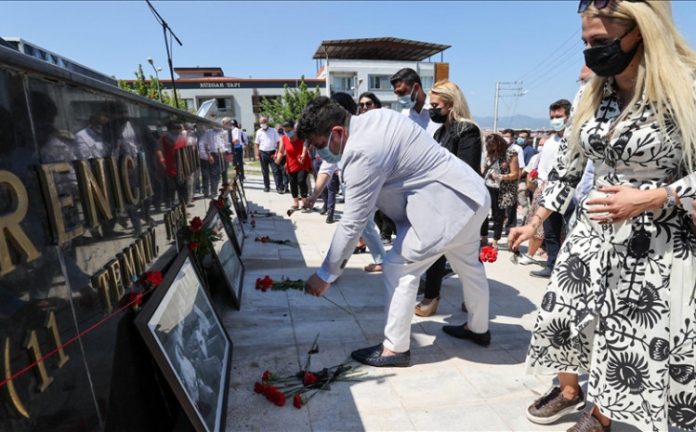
x=290, y=105
x=147, y=87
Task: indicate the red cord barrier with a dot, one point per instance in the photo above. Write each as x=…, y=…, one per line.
x=136, y=300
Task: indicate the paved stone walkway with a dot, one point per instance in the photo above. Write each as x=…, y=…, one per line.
x=451, y=385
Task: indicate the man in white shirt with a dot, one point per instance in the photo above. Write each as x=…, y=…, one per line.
x=437, y=201
x=267, y=141
x=239, y=141
x=559, y=113
x=413, y=99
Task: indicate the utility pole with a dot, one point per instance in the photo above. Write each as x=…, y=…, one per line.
x=503, y=89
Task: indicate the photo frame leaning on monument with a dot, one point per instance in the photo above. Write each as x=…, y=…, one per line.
x=189, y=344
x=225, y=266
x=236, y=222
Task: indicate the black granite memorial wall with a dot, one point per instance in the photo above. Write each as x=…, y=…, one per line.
x=83, y=199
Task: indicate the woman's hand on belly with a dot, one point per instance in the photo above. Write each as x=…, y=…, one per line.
x=624, y=203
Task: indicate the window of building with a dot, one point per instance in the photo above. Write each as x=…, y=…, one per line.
x=342, y=83
x=428, y=82
x=379, y=82
x=225, y=106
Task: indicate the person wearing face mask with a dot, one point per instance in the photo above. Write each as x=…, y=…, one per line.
x=620, y=302
x=460, y=135
x=267, y=142
x=413, y=99
x=559, y=112
x=437, y=201
x=297, y=162
x=509, y=137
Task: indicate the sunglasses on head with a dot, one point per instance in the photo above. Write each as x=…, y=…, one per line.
x=599, y=4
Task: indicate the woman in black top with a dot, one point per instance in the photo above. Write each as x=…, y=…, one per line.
x=461, y=136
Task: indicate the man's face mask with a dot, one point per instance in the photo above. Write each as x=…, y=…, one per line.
x=408, y=101
x=558, y=124
x=326, y=154
x=264, y=126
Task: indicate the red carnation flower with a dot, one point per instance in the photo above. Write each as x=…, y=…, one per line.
x=259, y=388
x=267, y=376
x=297, y=401
x=309, y=378
x=279, y=398
x=533, y=174
x=266, y=283
x=154, y=278
x=488, y=254
x=194, y=246
x=196, y=224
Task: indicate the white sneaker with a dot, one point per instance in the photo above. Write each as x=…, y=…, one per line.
x=526, y=260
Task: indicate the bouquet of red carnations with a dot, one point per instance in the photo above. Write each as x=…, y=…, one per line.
x=305, y=384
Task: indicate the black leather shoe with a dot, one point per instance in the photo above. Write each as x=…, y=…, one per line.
x=330, y=219
x=323, y=211
x=543, y=273
x=461, y=332
x=372, y=356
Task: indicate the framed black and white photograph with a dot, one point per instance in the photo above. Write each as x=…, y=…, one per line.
x=189, y=343
x=236, y=222
x=224, y=268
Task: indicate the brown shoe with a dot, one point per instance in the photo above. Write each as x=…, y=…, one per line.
x=552, y=406
x=589, y=423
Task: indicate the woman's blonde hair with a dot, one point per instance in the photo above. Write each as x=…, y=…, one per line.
x=665, y=74
x=451, y=94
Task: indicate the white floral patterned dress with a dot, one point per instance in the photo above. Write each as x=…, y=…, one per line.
x=619, y=304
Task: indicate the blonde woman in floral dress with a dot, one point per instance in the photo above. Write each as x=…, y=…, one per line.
x=620, y=303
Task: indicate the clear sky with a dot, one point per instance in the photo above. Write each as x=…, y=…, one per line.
x=535, y=41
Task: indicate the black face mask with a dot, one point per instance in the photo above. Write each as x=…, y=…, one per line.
x=609, y=60
x=436, y=115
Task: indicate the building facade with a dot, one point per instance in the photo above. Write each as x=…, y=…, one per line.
x=238, y=98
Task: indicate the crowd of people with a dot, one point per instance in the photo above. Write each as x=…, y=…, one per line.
x=608, y=195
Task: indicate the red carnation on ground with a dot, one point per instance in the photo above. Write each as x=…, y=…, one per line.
x=309, y=378
x=267, y=376
x=297, y=401
x=265, y=283
x=196, y=224
x=259, y=388
x=154, y=278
